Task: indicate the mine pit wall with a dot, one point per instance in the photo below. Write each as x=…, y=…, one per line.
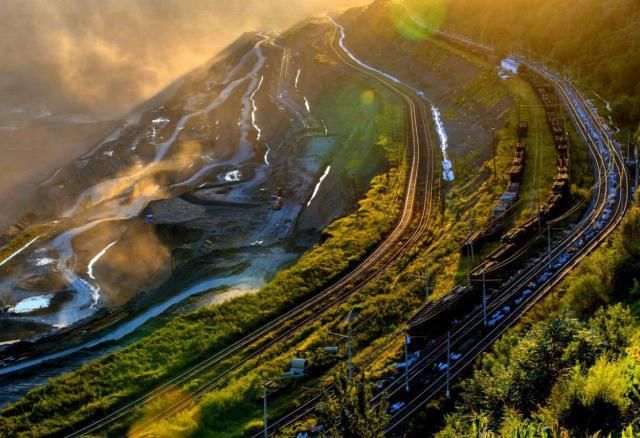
x=198, y=252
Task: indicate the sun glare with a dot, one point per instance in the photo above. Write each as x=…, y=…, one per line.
x=417, y=20
x=367, y=97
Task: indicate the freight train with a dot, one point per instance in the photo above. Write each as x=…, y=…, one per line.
x=507, y=200
x=439, y=315
x=514, y=240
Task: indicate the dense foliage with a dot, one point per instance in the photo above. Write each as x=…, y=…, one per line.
x=574, y=371
x=348, y=412
x=599, y=39
x=583, y=376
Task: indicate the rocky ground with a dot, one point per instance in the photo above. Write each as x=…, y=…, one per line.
x=192, y=182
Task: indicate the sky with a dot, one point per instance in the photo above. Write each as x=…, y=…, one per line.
x=101, y=57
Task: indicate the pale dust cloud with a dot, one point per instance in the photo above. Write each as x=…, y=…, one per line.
x=104, y=56
x=66, y=63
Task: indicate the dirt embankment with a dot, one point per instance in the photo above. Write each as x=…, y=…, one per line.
x=468, y=93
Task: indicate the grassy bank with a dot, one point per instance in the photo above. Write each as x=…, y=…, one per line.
x=103, y=385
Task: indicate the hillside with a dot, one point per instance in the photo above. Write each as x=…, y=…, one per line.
x=597, y=40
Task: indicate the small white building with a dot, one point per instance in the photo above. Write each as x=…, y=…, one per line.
x=510, y=65
x=298, y=368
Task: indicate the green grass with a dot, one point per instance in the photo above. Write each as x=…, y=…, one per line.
x=235, y=408
x=540, y=165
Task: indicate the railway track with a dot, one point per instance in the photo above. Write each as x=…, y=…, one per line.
x=426, y=378
x=612, y=184
x=417, y=214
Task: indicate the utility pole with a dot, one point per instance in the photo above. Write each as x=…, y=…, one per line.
x=348, y=338
x=470, y=254
x=349, y=350
x=484, y=298
x=448, y=361
x=532, y=201
x=471, y=245
x=493, y=147
x=266, y=416
x=355, y=192
x=406, y=360
x=636, y=154
x=426, y=284
x=549, y=243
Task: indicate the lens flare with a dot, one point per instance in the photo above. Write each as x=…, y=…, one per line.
x=183, y=424
x=417, y=20
x=367, y=97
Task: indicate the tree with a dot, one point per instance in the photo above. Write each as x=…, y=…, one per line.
x=347, y=411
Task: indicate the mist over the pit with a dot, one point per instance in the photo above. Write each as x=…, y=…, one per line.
x=70, y=69
x=100, y=58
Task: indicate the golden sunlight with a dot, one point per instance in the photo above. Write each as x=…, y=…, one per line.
x=417, y=19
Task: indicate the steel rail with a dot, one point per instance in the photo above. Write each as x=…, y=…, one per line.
x=622, y=205
x=390, y=243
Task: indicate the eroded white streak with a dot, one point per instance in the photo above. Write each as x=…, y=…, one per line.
x=317, y=187
x=87, y=294
x=298, y=78
x=97, y=257
x=248, y=106
x=255, y=109
x=447, y=172
x=266, y=155
x=51, y=178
